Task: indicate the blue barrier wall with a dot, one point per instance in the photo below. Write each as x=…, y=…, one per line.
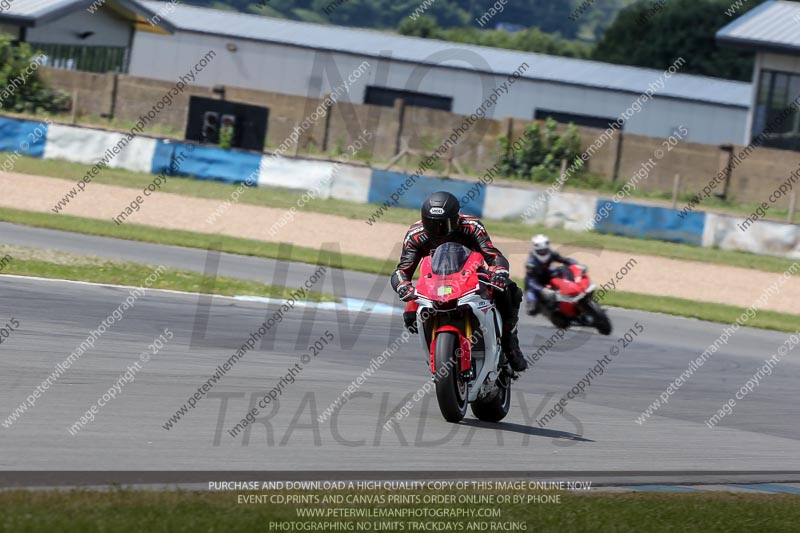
x=234, y=166
x=205, y=162
x=23, y=136
x=651, y=222
x=385, y=183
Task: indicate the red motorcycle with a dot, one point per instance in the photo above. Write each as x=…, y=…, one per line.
x=460, y=328
x=571, y=301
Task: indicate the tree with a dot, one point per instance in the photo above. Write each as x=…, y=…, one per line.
x=425, y=26
x=646, y=35
x=21, y=87
x=530, y=40
x=547, y=15
x=537, y=155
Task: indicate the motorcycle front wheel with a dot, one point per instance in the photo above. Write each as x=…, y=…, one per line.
x=497, y=408
x=560, y=321
x=601, y=320
x=451, y=389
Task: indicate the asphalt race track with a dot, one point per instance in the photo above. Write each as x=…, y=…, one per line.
x=598, y=431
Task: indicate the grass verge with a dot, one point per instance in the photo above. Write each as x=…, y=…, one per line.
x=135, y=511
x=190, y=239
x=711, y=312
x=59, y=265
x=662, y=304
x=282, y=198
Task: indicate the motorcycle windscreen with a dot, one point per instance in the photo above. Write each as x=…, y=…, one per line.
x=449, y=258
x=447, y=263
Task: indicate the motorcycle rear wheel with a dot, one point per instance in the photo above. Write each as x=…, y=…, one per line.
x=497, y=408
x=451, y=389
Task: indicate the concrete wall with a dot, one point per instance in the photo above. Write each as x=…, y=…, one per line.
x=347, y=120
x=136, y=96
x=696, y=163
x=761, y=173
x=95, y=91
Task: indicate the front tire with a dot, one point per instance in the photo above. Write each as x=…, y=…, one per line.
x=601, y=320
x=560, y=321
x=497, y=408
x=451, y=389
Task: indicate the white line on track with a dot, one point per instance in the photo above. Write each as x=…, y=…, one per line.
x=346, y=304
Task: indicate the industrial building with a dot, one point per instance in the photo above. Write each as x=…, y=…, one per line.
x=772, y=30
x=78, y=34
x=312, y=59
x=269, y=54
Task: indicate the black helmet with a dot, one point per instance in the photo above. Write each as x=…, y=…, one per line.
x=440, y=214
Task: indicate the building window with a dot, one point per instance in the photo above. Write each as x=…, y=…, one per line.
x=87, y=58
x=588, y=121
x=386, y=97
x=772, y=115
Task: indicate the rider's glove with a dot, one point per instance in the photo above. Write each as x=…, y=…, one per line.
x=500, y=278
x=405, y=291
x=584, y=269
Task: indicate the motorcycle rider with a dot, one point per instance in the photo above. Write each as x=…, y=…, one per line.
x=538, y=273
x=442, y=222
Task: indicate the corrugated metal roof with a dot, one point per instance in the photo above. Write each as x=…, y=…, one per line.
x=426, y=51
x=772, y=25
x=36, y=8
x=33, y=12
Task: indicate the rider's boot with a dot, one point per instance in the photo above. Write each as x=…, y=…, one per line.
x=532, y=306
x=510, y=345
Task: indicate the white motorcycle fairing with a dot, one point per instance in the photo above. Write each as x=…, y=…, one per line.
x=486, y=362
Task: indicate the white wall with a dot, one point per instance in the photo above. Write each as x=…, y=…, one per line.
x=786, y=63
x=285, y=69
x=109, y=30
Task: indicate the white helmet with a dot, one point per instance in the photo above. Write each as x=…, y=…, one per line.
x=541, y=247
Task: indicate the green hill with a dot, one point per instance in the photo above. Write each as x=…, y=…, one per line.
x=549, y=16
x=646, y=33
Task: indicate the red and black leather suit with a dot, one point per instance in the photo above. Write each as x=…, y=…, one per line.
x=471, y=233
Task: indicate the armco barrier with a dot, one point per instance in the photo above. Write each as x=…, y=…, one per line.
x=205, y=162
x=358, y=184
x=325, y=178
x=84, y=145
x=301, y=174
x=570, y=211
x=651, y=222
x=511, y=203
x=384, y=186
x=22, y=136
x=351, y=184
x=764, y=237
